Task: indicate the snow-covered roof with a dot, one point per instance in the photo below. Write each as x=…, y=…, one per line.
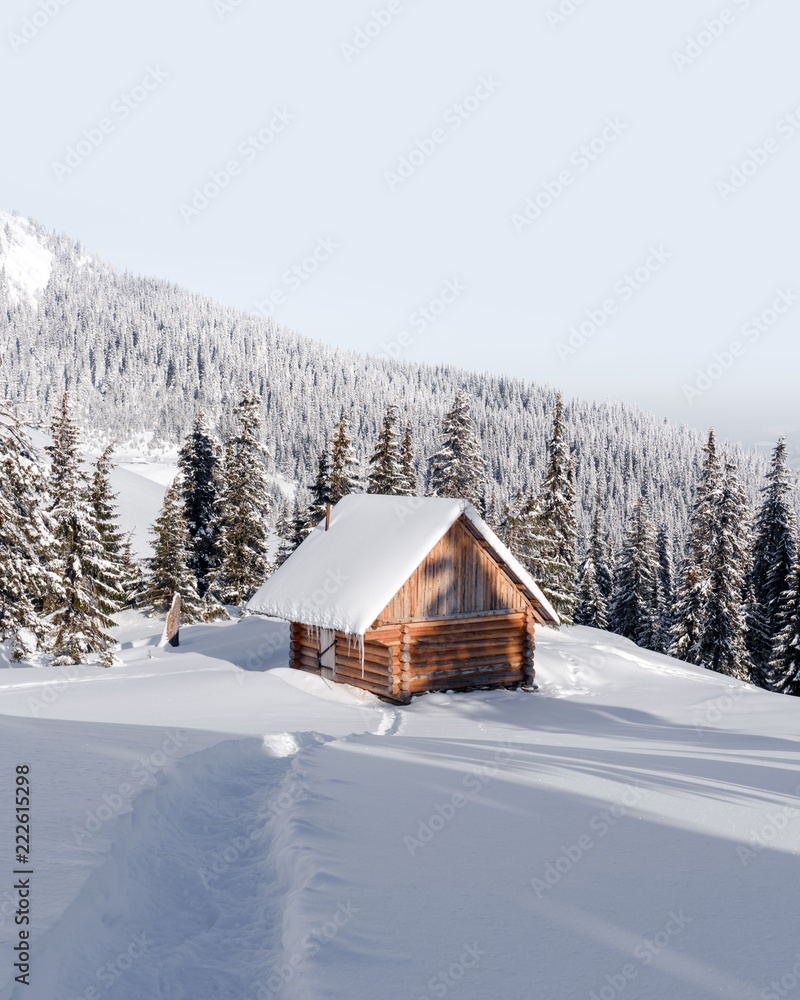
x=344, y=577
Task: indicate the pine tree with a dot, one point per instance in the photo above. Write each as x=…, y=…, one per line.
x=25, y=538
x=784, y=672
x=722, y=644
x=244, y=504
x=550, y=550
x=695, y=577
x=198, y=462
x=386, y=476
x=79, y=610
x=408, y=484
x=494, y=511
x=132, y=574
x=596, y=585
x=284, y=530
x=344, y=477
x=114, y=576
x=301, y=525
x=774, y=557
x=634, y=610
x=320, y=491
x=515, y=526
x=457, y=468
x=168, y=570
x=666, y=594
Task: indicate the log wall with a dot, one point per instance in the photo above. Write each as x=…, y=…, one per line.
x=404, y=659
x=376, y=674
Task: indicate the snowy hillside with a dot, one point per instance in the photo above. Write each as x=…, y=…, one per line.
x=139, y=357
x=26, y=262
x=210, y=824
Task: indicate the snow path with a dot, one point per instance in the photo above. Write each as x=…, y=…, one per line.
x=637, y=814
x=189, y=884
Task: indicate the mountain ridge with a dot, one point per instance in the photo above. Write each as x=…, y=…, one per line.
x=140, y=355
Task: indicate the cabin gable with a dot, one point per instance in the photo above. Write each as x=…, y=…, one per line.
x=462, y=616
x=457, y=577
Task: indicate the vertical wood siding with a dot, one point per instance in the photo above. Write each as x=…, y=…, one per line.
x=456, y=577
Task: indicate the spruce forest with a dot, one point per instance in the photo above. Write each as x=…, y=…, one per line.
x=631, y=525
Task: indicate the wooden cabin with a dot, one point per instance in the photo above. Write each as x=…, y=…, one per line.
x=402, y=595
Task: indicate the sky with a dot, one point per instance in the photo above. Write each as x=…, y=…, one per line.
x=600, y=195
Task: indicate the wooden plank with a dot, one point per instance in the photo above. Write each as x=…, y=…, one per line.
x=418, y=682
x=405, y=656
x=459, y=682
x=353, y=663
x=422, y=666
x=382, y=662
x=492, y=612
x=353, y=676
x=468, y=653
x=354, y=668
x=467, y=670
x=306, y=668
x=367, y=685
x=389, y=636
x=439, y=640
x=425, y=635
x=441, y=637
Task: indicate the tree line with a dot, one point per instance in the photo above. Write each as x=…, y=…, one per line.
x=139, y=357
x=729, y=601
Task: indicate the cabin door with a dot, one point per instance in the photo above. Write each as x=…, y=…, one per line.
x=327, y=653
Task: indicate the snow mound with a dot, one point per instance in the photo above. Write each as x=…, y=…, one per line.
x=26, y=262
x=217, y=825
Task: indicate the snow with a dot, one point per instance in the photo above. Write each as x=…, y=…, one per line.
x=27, y=263
x=140, y=494
x=344, y=577
x=211, y=824
x=162, y=473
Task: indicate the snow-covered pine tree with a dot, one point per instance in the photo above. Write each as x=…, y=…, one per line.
x=283, y=528
x=689, y=615
x=320, y=491
x=550, y=549
x=344, y=465
x=784, y=672
x=507, y=519
x=775, y=551
x=722, y=646
x=24, y=538
x=596, y=585
x=198, y=461
x=79, y=610
x=244, y=505
x=300, y=525
x=494, y=510
x=117, y=329
x=457, y=468
x=168, y=571
x=634, y=609
x=386, y=475
x=408, y=485
x=132, y=573
x=666, y=594
x=114, y=579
